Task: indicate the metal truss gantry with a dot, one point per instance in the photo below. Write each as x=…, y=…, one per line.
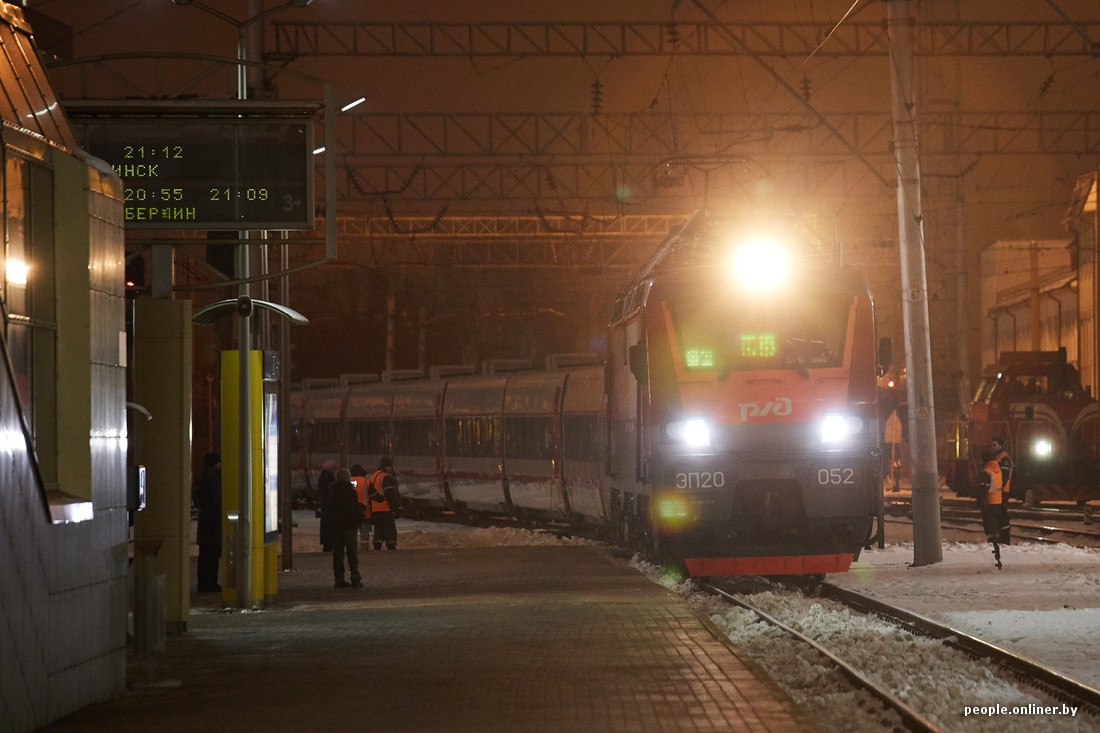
x=862, y=38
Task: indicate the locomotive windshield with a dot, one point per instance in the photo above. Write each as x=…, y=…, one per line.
x=739, y=334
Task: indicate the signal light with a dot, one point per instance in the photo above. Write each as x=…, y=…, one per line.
x=135, y=272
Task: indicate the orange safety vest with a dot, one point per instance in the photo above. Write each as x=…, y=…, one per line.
x=376, y=483
x=993, y=495
x=360, y=484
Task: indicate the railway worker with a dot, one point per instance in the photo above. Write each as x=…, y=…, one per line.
x=347, y=515
x=989, y=496
x=384, y=499
x=1004, y=460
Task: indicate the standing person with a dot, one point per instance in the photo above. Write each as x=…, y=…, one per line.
x=206, y=495
x=384, y=499
x=347, y=515
x=324, y=496
x=989, y=501
x=359, y=481
x=1004, y=460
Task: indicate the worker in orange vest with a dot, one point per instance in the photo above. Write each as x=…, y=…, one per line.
x=384, y=500
x=989, y=501
x=1004, y=460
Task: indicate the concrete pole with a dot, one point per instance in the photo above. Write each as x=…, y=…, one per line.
x=927, y=545
x=244, y=380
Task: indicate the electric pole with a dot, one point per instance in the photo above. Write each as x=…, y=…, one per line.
x=927, y=548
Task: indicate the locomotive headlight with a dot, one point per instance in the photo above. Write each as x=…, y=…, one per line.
x=692, y=432
x=761, y=265
x=837, y=428
x=1042, y=449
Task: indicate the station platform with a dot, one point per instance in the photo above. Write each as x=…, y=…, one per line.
x=540, y=638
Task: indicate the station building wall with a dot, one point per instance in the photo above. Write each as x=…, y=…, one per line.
x=63, y=436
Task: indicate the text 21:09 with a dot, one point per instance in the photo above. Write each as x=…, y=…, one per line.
x=226, y=194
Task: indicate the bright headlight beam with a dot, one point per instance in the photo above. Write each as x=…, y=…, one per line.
x=1042, y=448
x=692, y=432
x=837, y=428
x=760, y=265
x=696, y=433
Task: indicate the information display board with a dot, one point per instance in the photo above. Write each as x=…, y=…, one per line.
x=217, y=174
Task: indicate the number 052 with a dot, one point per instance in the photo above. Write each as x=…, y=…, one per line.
x=836, y=476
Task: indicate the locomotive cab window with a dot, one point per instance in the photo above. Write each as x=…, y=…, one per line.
x=716, y=332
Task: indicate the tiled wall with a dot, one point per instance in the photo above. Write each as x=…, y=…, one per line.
x=63, y=588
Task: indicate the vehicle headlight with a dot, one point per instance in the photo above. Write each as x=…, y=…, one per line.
x=691, y=432
x=840, y=427
x=1042, y=448
x=761, y=265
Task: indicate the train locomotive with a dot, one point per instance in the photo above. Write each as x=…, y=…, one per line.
x=1035, y=402
x=732, y=427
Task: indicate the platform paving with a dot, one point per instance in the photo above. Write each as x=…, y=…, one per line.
x=488, y=639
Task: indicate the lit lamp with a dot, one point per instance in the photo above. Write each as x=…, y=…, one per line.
x=16, y=271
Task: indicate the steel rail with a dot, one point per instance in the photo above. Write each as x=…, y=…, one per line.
x=1028, y=671
x=911, y=719
x=973, y=526
x=959, y=513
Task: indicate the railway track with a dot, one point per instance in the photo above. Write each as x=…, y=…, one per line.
x=910, y=719
x=962, y=515
x=894, y=667
x=1025, y=670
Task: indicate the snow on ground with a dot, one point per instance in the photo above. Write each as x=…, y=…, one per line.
x=940, y=683
x=1043, y=603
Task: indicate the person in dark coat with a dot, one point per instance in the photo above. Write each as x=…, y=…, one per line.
x=384, y=501
x=347, y=515
x=206, y=495
x=324, y=496
x=359, y=481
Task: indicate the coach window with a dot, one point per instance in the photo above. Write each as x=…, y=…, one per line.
x=29, y=294
x=326, y=436
x=413, y=437
x=529, y=437
x=581, y=437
